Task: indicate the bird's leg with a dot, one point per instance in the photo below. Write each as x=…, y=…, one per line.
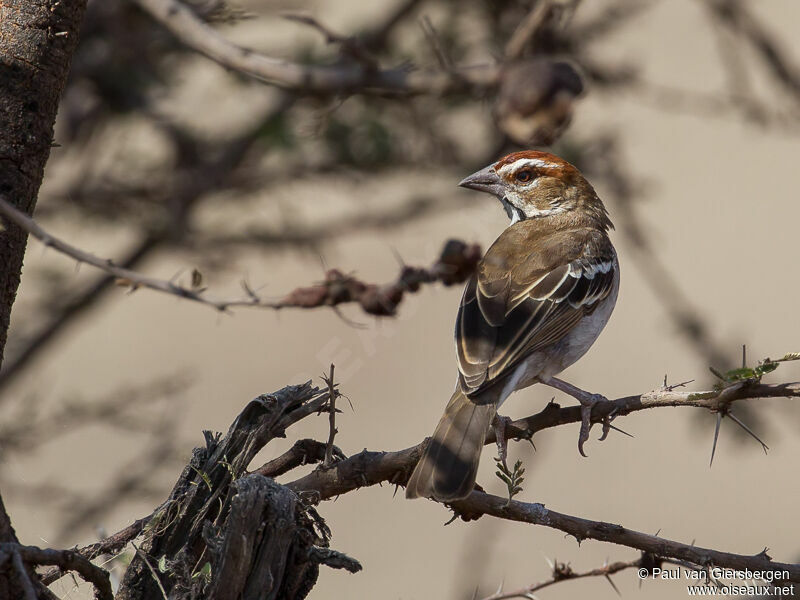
x=587, y=400
x=500, y=424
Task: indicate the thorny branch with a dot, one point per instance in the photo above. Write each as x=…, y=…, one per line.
x=369, y=468
x=456, y=263
x=563, y=572
x=332, y=393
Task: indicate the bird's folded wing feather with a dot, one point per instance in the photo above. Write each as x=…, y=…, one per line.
x=519, y=303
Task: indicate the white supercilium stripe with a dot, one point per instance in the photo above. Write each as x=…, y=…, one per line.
x=526, y=162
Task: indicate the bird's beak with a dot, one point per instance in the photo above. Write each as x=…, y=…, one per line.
x=485, y=180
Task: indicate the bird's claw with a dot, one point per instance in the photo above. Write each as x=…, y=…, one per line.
x=587, y=403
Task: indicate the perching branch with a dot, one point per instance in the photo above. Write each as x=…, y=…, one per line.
x=369, y=468
x=214, y=475
x=456, y=263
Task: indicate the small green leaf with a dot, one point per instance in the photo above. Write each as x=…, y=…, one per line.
x=740, y=374
x=205, y=477
x=162, y=564
x=204, y=573
x=512, y=478
x=765, y=368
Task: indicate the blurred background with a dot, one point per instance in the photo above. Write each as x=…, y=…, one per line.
x=688, y=125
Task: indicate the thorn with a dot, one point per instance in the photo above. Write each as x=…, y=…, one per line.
x=348, y=400
x=500, y=588
x=615, y=428
x=665, y=381
x=717, y=374
x=716, y=436
x=748, y=430
x=679, y=385
x=453, y=518
x=397, y=257
x=550, y=563
x=657, y=532
x=611, y=583
x=744, y=356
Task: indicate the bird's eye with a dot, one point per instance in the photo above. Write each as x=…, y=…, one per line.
x=523, y=176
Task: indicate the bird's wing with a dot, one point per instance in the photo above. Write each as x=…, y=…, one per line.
x=519, y=303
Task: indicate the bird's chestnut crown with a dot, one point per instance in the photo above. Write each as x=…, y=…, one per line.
x=534, y=184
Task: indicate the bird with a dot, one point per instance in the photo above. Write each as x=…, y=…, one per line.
x=540, y=296
x=536, y=99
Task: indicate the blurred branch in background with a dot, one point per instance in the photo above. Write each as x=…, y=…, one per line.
x=455, y=264
x=361, y=75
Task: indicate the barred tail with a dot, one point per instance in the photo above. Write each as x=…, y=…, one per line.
x=449, y=464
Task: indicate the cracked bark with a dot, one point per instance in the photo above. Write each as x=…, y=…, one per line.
x=37, y=40
x=254, y=538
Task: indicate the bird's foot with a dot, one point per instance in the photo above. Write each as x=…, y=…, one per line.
x=500, y=424
x=588, y=402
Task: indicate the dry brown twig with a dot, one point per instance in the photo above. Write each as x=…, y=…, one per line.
x=456, y=263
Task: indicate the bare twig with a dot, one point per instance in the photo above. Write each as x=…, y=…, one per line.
x=65, y=560
x=303, y=452
x=332, y=393
x=457, y=262
x=350, y=46
x=184, y=24
x=563, y=572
